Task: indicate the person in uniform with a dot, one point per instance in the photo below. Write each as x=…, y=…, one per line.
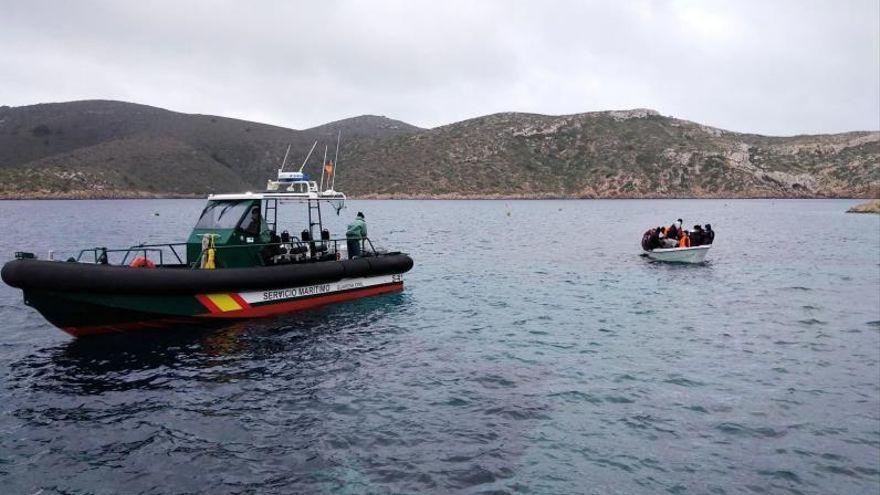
x=355, y=234
x=253, y=225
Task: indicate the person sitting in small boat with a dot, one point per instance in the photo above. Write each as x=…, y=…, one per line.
x=666, y=242
x=708, y=234
x=696, y=236
x=684, y=240
x=355, y=233
x=654, y=240
x=646, y=239
x=674, y=230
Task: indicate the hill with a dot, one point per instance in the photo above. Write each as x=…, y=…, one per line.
x=117, y=149
x=618, y=154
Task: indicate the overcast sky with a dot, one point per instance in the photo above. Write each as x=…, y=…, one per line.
x=772, y=67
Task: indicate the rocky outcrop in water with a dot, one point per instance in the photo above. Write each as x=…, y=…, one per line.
x=872, y=206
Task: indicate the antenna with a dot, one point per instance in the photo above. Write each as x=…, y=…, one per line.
x=323, y=167
x=307, y=157
x=284, y=162
x=336, y=161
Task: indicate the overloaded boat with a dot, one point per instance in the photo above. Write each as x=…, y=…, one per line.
x=674, y=244
x=237, y=263
x=695, y=254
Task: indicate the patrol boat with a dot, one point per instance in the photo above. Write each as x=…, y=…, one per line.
x=234, y=265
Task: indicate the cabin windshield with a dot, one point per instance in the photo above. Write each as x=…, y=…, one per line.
x=223, y=214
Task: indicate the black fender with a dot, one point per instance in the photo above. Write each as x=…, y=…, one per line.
x=59, y=276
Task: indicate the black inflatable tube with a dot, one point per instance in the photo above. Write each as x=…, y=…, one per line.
x=106, y=279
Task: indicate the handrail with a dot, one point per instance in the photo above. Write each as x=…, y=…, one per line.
x=102, y=259
x=294, y=240
x=145, y=248
x=169, y=245
x=100, y=253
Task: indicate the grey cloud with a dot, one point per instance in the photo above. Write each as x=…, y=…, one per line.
x=779, y=67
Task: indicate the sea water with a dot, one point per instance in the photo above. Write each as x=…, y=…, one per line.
x=532, y=351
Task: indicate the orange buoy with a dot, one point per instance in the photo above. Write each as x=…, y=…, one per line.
x=141, y=262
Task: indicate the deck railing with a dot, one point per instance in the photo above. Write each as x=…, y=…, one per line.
x=315, y=248
x=100, y=255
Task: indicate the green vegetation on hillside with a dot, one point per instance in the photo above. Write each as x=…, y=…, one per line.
x=116, y=149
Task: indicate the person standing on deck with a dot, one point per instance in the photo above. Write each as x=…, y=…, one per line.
x=355, y=233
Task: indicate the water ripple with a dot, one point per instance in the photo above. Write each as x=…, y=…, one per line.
x=513, y=364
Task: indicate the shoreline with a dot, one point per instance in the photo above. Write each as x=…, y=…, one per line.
x=109, y=196
x=538, y=197
x=426, y=197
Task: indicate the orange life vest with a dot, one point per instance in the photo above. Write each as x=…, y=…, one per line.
x=684, y=241
x=141, y=262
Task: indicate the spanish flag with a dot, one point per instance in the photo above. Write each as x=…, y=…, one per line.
x=328, y=168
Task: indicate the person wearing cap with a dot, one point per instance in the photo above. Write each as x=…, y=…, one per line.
x=355, y=234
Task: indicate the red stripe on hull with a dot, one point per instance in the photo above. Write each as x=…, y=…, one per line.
x=158, y=323
x=241, y=302
x=306, y=303
x=208, y=303
x=263, y=311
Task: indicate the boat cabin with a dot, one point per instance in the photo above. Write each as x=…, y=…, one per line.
x=242, y=229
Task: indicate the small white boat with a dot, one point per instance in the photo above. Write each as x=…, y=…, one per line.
x=696, y=254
